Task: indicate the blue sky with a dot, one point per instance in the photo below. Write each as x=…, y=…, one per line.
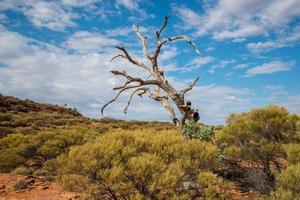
x=59, y=52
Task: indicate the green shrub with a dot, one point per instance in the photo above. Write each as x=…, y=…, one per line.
x=74, y=182
x=287, y=184
x=21, y=185
x=16, y=149
x=6, y=117
x=214, y=188
x=257, y=136
x=293, y=153
x=23, y=171
x=129, y=164
x=196, y=131
x=4, y=131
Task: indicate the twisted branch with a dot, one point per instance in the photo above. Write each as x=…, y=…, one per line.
x=182, y=92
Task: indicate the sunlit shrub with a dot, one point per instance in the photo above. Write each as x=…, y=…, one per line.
x=214, y=188
x=293, y=153
x=16, y=149
x=287, y=184
x=258, y=135
x=141, y=164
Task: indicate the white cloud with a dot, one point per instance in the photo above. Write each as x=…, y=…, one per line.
x=241, y=66
x=61, y=14
x=220, y=100
x=50, y=15
x=3, y=17
x=287, y=39
x=209, y=49
x=84, y=41
x=269, y=68
x=237, y=20
x=129, y=4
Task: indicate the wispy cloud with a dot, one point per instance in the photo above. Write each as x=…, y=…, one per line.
x=269, y=68
x=237, y=20
x=287, y=39
x=84, y=41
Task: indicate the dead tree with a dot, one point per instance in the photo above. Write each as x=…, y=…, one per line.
x=141, y=87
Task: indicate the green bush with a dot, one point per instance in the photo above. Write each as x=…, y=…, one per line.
x=214, y=188
x=257, y=136
x=74, y=182
x=287, y=184
x=6, y=117
x=141, y=164
x=196, y=131
x=23, y=171
x=293, y=153
x=16, y=149
x=21, y=185
x=4, y=131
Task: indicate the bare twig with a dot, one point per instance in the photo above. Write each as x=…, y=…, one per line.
x=182, y=92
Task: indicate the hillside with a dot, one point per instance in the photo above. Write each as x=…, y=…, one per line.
x=53, y=151
x=26, y=117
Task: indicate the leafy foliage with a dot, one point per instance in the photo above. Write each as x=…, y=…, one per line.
x=144, y=163
x=197, y=131
x=258, y=135
x=287, y=184
x=17, y=149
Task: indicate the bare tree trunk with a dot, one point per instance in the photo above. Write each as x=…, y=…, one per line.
x=142, y=87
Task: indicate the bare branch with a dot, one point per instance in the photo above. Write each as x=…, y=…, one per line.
x=185, y=38
x=182, y=92
x=136, y=79
x=129, y=58
x=162, y=28
x=144, y=90
x=117, y=96
x=120, y=55
x=143, y=40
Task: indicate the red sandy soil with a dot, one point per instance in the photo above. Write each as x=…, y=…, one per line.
x=37, y=189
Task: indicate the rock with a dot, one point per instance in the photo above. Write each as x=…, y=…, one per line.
x=30, y=181
x=44, y=187
x=2, y=187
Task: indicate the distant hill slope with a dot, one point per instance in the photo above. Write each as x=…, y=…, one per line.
x=15, y=105
x=27, y=117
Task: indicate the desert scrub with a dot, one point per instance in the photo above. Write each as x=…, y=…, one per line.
x=23, y=171
x=293, y=152
x=16, y=149
x=258, y=136
x=144, y=164
x=214, y=187
x=197, y=131
x=21, y=185
x=287, y=184
x=74, y=182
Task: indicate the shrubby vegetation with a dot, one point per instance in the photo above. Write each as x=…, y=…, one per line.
x=19, y=149
x=115, y=159
x=257, y=136
x=144, y=164
x=197, y=131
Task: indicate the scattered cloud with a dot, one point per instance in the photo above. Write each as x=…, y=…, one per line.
x=269, y=68
x=61, y=14
x=236, y=20
x=287, y=39
x=241, y=66
x=84, y=41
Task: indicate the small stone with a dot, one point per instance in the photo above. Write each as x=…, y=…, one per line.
x=2, y=187
x=44, y=187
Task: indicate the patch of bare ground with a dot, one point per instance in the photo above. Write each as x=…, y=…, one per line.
x=34, y=188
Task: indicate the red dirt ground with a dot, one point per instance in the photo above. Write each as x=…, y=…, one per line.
x=37, y=190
